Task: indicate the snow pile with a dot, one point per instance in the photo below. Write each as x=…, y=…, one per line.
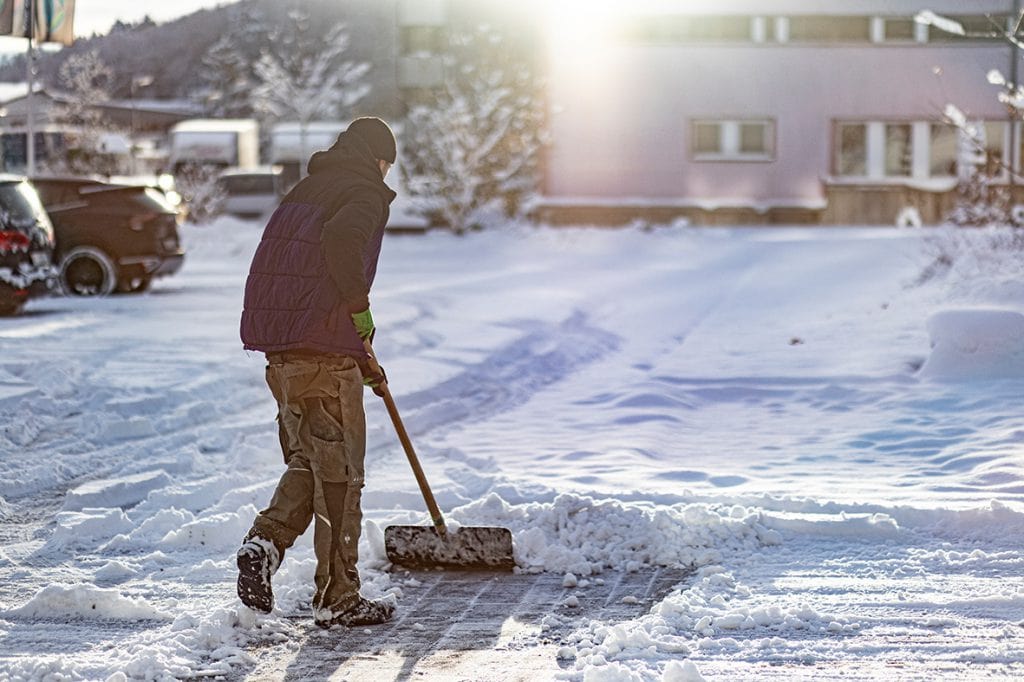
x=992, y=523
x=583, y=536
x=975, y=344
x=120, y=492
x=88, y=528
x=86, y=601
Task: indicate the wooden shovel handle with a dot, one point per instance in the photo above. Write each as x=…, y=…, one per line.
x=410, y=453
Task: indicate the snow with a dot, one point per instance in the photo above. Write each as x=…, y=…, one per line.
x=940, y=22
x=833, y=449
x=976, y=344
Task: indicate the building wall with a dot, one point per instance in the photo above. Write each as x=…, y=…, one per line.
x=624, y=130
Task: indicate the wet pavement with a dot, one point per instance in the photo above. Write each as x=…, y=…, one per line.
x=453, y=625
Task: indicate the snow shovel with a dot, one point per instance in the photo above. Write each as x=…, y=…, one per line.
x=469, y=547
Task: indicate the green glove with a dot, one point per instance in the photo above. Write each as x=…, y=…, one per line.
x=375, y=379
x=364, y=324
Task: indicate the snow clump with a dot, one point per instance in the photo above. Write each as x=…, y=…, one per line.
x=86, y=601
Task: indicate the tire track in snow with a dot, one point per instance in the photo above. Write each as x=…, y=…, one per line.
x=510, y=375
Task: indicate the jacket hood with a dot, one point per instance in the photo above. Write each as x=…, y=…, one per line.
x=350, y=155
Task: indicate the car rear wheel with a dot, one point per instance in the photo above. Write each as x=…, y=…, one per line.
x=87, y=271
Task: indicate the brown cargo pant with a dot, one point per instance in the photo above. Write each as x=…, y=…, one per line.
x=322, y=428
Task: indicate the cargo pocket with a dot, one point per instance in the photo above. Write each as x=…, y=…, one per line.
x=349, y=387
x=287, y=418
x=329, y=459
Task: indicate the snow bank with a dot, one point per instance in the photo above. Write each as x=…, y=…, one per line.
x=582, y=535
x=86, y=601
x=975, y=344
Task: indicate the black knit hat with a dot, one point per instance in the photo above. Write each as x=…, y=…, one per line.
x=377, y=135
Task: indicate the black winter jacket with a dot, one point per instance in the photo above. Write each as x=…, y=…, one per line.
x=318, y=256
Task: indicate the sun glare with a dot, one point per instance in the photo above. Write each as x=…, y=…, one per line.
x=580, y=26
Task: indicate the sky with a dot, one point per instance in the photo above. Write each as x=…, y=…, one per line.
x=97, y=16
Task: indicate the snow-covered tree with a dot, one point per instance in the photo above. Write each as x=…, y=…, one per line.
x=305, y=77
x=472, y=146
x=982, y=199
x=227, y=68
x=227, y=79
x=202, y=193
x=86, y=82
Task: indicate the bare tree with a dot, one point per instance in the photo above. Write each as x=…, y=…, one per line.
x=87, y=82
x=473, y=146
x=982, y=198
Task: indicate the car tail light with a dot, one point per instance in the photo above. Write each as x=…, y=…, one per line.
x=138, y=222
x=13, y=241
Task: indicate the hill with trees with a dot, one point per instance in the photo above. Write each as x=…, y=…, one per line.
x=187, y=58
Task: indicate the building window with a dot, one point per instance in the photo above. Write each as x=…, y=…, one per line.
x=899, y=150
x=707, y=138
x=689, y=29
x=754, y=138
x=852, y=152
x=899, y=29
x=421, y=39
x=880, y=149
x=750, y=140
x=976, y=28
x=943, y=150
x=829, y=29
x=988, y=148
x=874, y=149
x=995, y=143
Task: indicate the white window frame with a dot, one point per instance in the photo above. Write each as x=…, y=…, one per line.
x=729, y=138
x=878, y=29
x=782, y=29
x=759, y=29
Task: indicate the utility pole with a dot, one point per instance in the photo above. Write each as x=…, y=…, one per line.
x=30, y=137
x=1015, y=141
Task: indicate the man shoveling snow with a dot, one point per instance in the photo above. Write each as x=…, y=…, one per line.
x=307, y=307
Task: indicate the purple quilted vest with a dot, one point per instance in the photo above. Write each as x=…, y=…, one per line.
x=291, y=302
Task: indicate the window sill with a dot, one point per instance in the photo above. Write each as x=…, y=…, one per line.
x=732, y=158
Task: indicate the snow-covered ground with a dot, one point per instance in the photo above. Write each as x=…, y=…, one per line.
x=839, y=453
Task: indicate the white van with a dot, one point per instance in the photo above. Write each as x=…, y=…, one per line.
x=250, y=192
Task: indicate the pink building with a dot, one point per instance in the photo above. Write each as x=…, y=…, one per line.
x=748, y=111
x=762, y=111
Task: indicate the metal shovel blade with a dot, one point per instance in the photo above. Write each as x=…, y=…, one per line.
x=472, y=547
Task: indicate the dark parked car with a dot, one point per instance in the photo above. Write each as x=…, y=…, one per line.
x=26, y=245
x=110, y=237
